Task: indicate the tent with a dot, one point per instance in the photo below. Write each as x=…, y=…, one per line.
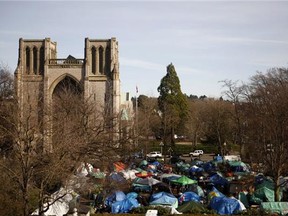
x=117, y=177
x=281, y=208
x=218, y=180
x=265, y=194
x=238, y=166
x=209, y=167
x=146, y=181
x=169, y=177
x=188, y=196
x=191, y=207
x=224, y=205
x=129, y=174
x=182, y=167
x=195, y=169
x=121, y=203
x=144, y=174
x=163, y=198
x=214, y=193
x=196, y=189
x=184, y=180
x=119, y=166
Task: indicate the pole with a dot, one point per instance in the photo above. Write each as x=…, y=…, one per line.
x=136, y=117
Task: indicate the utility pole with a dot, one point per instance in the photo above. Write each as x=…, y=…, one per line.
x=136, y=117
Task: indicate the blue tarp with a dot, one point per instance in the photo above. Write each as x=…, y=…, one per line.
x=195, y=169
x=117, y=177
x=209, y=167
x=189, y=196
x=116, y=196
x=217, y=179
x=163, y=198
x=121, y=203
x=224, y=205
x=124, y=206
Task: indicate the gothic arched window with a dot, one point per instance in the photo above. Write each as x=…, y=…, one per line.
x=93, y=60
x=35, y=62
x=27, y=55
x=101, y=60
x=107, y=60
x=41, y=69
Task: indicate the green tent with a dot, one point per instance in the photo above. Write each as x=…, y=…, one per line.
x=184, y=180
x=280, y=208
x=191, y=207
x=265, y=194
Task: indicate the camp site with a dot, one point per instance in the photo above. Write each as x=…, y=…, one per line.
x=224, y=185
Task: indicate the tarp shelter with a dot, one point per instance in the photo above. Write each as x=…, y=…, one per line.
x=280, y=208
x=144, y=174
x=123, y=203
x=115, y=197
x=163, y=198
x=265, y=194
x=183, y=167
x=196, y=189
x=60, y=207
x=188, y=196
x=197, y=163
x=146, y=181
x=184, y=180
x=238, y=166
x=195, y=169
x=214, y=193
x=224, y=205
x=117, y=177
x=191, y=207
x=119, y=166
x=218, y=180
x=209, y=167
x=169, y=177
x=143, y=163
x=129, y=174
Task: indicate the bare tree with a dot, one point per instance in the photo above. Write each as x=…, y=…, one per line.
x=6, y=82
x=216, y=123
x=149, y=120
x=234, y=93
x=267, y=121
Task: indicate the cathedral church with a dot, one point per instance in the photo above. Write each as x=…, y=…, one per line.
x=40, y=76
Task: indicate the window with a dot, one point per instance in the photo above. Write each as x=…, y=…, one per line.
x=93, y=60
x=101, y=60
x=28, y=59
x=41, y=60
x=35, y=52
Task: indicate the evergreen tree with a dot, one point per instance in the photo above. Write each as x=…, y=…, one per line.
x=173, y=106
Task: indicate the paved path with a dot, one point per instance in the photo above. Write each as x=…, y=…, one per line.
x=204, y=157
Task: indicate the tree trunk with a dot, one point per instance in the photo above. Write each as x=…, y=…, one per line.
x=277, y=190
x=26, y=203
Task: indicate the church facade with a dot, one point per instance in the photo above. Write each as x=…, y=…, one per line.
x=40, y=74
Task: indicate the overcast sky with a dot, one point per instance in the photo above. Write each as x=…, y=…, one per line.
x=207, y=41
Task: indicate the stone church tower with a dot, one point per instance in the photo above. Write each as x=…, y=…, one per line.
x=40, y=73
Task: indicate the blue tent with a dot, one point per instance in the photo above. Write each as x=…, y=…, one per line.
x=224, y=205
x=116, y=196
x=117, y=177
x=124, y=206
x=195, y=169
x=218, y=180
x=163, y=198
x=121, y=203
x=189, y=196
x=209, y=167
